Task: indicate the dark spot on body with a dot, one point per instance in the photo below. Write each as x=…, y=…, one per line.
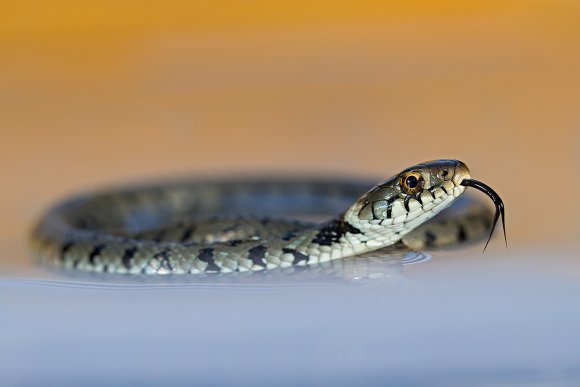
x=298, y=256
x=163, y=258
x=127, y=256
x=187, y=234
x=333, y=231
x=257, y=255
x=206, y=255
x=461, y=234
x=95, y=253
x=65, y=248
x=430, y=239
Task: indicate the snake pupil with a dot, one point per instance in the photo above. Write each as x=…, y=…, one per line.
x=411, y=181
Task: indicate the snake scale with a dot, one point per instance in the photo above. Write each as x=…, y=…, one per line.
x=236, y=226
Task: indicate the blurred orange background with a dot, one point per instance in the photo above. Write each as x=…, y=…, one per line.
x=96, y=93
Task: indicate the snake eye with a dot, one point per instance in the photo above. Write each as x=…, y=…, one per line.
x=411, y=182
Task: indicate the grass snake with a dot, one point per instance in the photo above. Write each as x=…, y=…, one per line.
x=193, y=227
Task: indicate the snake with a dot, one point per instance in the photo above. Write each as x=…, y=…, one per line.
x=226, y=226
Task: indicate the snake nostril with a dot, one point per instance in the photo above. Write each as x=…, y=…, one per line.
x=442, y=174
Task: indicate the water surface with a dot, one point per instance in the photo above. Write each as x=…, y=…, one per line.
x=455, y=320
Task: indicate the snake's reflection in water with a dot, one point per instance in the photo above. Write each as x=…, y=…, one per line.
x=381, y=266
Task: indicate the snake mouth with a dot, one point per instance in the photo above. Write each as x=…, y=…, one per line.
x=499, y=208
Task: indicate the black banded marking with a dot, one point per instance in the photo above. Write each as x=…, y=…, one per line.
x=298, y=256
x=128, y=255
x=95, y=253
x=430, y=239
x=461, y=233
x=187, y=234
x=206, y=255
x=333, y=231
x=257, y=255
x=65, y=248
x=289, y=236
x=163, y=258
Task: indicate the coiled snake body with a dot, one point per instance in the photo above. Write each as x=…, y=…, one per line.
x=221, y=227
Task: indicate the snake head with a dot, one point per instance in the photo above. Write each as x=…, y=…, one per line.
x=408, y=199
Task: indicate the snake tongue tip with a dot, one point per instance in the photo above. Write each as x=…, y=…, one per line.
x=485, y=247
x=500, y=209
